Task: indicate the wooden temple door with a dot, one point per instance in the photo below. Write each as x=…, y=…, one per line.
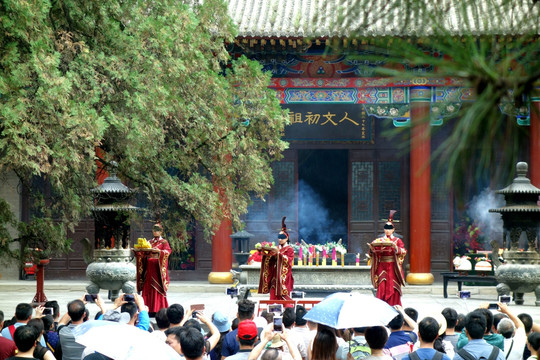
x=378, y=183
x=441, y=225
x=73, y=265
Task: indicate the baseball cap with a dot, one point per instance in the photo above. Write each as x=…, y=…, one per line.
x=247, y=330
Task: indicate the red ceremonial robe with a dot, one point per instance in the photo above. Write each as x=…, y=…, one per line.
x=276, y=273
x=153, y=276
x=387, y=270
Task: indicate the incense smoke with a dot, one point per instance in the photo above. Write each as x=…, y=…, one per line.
x=321, y=227
x=490, y=224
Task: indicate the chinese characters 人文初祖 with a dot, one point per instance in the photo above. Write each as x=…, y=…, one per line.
x=387, y=256
x=276, y=268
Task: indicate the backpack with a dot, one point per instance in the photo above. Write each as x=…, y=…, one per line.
x=12, y=331
x=412, y=335
x=358, y=350
x=438, y=356
x=467, y=356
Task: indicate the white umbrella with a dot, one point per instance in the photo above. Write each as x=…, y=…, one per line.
x=350, y=310
x=122, y=341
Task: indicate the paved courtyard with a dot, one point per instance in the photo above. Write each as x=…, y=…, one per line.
x=426, y=299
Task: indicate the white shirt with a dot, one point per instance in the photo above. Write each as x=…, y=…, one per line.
x=305, y=334
x=297, y=340
x=515, y=345
x=159, y=334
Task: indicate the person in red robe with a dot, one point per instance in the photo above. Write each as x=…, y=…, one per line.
x=387, y=255
x=152, y=271
x=276, y=268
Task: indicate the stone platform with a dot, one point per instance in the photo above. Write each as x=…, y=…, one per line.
x=313, y=280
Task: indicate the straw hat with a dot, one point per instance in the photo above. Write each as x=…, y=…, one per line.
x=276, y=342
x=440, y=320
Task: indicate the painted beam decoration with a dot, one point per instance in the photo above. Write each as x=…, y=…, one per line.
x=381, y=98
x=343, y=123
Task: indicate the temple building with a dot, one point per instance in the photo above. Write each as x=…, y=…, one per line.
x=343, y=173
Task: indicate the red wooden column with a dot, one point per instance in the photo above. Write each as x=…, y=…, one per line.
x=40, y=298
x=101, y=173
x=222, y=251
x=420, y=241
x=534, y=166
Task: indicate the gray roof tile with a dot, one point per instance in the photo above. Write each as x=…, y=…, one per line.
x=376, y=18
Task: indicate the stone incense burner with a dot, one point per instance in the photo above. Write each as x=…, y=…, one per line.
x=521, y=271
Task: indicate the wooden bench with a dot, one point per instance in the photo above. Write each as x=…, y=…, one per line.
x=460, y=279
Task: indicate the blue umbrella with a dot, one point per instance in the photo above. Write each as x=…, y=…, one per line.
x=350, y=310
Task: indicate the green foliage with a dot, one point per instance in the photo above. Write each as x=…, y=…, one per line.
x=43, y=235
x=490, y=46
x=153, y=85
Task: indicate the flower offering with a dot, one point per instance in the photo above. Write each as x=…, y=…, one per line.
x=142, y=243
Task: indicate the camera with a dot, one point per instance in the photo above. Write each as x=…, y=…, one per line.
x=493, y=306
x=278, y=323
x=505, y=299
x=298, y=294
x=48, y=311
x=464, y=294
x=196, y=309
x=89, y=298
x=276, y=309
x=129, y=297
x=232, y=291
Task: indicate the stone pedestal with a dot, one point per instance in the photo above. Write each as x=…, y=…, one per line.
x=520, y=274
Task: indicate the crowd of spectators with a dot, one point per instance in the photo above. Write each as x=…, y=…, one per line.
x=483, y=334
